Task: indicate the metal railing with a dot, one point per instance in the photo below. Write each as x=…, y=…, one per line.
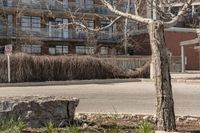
x=70, y=6
x=59, y=34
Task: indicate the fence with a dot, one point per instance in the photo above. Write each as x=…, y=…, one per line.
x=133, y=62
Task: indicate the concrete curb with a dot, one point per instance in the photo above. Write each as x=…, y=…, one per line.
x=187, y=80
x=176, y=80
x=72, y=82
x=97, y=81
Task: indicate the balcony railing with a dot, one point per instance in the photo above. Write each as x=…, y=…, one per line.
x=57, y=34
x=59, y=6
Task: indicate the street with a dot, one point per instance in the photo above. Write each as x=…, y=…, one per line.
x=130, y=97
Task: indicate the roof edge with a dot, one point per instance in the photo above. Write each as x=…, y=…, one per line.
x=176, y=29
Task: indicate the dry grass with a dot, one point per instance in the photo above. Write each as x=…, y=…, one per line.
x=48, y=68
x=30, y=68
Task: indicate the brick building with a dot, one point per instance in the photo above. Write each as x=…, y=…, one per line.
x=32, y=26
x=186, y=30
x=174, y=37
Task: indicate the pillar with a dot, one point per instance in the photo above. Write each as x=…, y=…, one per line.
x=182, y=59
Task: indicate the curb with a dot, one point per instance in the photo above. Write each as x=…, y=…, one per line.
x=84, y=82
x=72, y=82
x=186, y=80
x=173, y=80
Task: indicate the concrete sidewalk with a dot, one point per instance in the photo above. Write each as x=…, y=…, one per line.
x=186, y=75
x=189, y=76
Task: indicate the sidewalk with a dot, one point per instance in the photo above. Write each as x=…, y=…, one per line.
x=189, y=77
x=186, y=75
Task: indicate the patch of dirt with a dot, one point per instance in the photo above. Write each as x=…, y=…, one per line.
x=99, y=123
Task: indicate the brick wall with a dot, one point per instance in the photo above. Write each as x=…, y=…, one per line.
x=173, y=40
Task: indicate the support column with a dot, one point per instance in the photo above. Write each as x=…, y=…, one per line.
x=193, y=11
x=154, y=10
x=152, y=70
x=182, y=59
x=199, y=58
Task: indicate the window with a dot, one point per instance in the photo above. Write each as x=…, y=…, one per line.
x=89, y=50
x=197, y=9
x=52, y=51
x=3, y=26
x=80, y=50
x=85, y=3
x=10, y=24
x=61, y=49
x=88, y=3
x=131, y=7
x=90, y=24
x=58, y=50
x=1, y=49
x=111, y=29
x=58, y=4
x=65, y=3
x=57, y=32
x=31, y=49
x=175, y=10
x=26, y=1
x=132, y=26
x=104, y=50
x=110, y=1
x=65, y=49
x=30, y=23
x=79, y=32
x=7, y=2
x=113, y=51
x=84, y=50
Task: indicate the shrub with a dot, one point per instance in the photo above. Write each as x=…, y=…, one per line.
x=144, y=127
x=26, y=68
x=49, y=128
x=11, y=125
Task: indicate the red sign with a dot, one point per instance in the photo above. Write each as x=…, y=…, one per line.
x=8, y=49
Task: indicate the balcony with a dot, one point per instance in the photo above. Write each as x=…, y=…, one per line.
x=56, y=35
x=59, y=6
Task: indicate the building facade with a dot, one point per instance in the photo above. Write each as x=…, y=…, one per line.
x=41, y=26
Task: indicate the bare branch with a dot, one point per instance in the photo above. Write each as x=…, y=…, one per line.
x=180, y=14
x=127, y=15
x=91, y=29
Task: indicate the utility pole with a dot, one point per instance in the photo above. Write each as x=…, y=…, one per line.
x=125, y=29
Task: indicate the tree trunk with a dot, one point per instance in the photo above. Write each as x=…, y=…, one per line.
x=160, y=60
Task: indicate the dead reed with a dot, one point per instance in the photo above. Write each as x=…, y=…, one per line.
x=30, y=68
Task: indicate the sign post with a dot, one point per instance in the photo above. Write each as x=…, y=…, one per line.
x=8, y=58
x=8, y=52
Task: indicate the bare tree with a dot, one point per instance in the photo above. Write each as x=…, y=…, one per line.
x=160, y=62
x=125, y=29
x=165, y=104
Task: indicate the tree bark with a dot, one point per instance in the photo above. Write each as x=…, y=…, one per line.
x=160, y=60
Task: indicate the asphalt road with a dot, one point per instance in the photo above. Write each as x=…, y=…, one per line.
x=134, y=97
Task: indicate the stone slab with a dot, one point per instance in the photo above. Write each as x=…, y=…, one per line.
x=38, y=111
